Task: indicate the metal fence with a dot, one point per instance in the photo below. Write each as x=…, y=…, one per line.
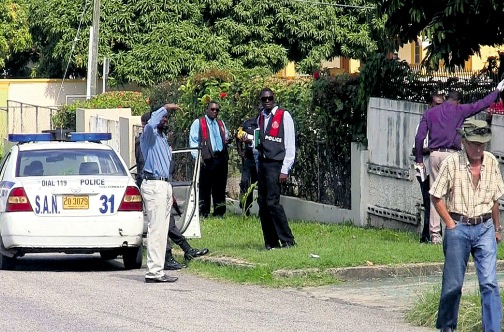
x=416, y=83
x=27, y=118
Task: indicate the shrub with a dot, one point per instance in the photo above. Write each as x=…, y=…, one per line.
x=65, y=118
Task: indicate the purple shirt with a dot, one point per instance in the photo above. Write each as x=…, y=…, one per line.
x=442, y=122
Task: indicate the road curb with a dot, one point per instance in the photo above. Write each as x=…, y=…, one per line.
x=377, y=271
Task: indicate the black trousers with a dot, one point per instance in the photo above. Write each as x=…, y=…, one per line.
x=212, y=182
x=424, y=187
x=273, y=219
x=176, y=236
x=248, y=176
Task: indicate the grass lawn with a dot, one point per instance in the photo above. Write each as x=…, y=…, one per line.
x=241, y=239
x=424, y=311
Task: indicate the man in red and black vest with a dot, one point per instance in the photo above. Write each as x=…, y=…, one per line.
x=277, y=149
x=211, y=136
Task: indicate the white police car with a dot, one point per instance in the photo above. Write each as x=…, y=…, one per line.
x=73, y=196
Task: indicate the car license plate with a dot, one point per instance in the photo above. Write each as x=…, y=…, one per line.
x=75, y=202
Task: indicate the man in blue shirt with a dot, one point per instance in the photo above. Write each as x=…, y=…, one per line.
x=211, y=136
x=157, y=191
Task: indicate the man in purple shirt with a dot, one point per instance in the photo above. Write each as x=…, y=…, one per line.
x=441, y=123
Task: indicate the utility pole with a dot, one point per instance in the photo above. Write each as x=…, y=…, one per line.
x=93, y=51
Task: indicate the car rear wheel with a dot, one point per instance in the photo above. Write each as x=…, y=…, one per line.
x=7, y=263
x=132, y=257
x=109, y=254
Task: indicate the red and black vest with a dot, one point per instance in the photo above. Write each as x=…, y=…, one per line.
x=272, y=139
x=205, y=142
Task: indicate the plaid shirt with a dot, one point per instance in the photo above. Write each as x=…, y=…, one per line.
x=454, y=183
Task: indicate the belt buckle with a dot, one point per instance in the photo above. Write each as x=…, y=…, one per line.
x=475, y=220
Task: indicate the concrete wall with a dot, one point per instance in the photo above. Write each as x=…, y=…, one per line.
x=393, y=191
x=394, y=198
x=118, y=121
x=49, y=92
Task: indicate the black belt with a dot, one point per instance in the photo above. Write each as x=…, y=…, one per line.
x=472, y=220
x=151, y=177
x=444, y=150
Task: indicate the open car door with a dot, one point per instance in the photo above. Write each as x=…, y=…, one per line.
x=185, y=179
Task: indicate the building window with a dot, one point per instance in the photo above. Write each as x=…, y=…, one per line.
x=418, y=50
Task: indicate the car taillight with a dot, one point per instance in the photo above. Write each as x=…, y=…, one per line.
x=132, y=200
x=18, y=201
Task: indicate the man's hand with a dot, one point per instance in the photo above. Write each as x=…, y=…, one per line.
x=451, y=224
x=500, y=86
x=171, y=107
x=283, y=178
x=420, y=167
x=498, y=237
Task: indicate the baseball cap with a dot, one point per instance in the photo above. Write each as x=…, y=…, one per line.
x=476, y=131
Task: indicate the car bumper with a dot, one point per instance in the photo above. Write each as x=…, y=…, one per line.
x=25, y=231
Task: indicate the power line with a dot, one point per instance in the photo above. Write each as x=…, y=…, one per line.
x=333, y=4
x=73, y=48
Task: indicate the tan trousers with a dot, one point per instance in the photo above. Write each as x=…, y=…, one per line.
x=157, y=196
x=435, y=159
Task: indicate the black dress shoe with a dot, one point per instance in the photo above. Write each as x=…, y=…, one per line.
x=193, y=253
x=424, y=239
x=172, y=264
x=270, y=247
x=289, y=244
x=163, y=278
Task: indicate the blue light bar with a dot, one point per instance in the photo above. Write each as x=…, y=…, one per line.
x=92, y=137
x=25, y=138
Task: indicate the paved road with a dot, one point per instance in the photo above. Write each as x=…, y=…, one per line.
x=83, y=293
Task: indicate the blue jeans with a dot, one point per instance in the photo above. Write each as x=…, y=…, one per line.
x=458, y=243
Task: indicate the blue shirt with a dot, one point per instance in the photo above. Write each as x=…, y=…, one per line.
x=213, y=129
x=155, y=148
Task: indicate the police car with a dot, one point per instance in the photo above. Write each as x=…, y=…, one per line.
x=74, y=196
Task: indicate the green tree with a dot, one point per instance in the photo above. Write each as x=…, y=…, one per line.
x=455, y=29
x=14, y=30
x=151, y=41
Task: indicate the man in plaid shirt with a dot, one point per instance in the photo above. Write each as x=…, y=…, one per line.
x=465, y=195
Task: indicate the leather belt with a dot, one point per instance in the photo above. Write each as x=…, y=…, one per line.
x=472, y=221
x=159, y=178
x=444, y=150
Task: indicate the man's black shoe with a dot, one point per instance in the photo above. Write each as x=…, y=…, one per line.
x=288, y=244
x=424, y=239
x=270, y=247
x=172, y=264
x=193, y=253
x=163, y=278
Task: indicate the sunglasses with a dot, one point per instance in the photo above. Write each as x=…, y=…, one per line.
x=214, y=109
x=269, y=98
x=479, y=131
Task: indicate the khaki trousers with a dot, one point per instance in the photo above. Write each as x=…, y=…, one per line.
x=157, y=196
x=435, y=159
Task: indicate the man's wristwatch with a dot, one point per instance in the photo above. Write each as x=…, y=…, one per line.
x=499, y=228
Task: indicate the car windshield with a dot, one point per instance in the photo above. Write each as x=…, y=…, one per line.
x=57, y=162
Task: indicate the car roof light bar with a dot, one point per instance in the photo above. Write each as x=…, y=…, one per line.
x=92, y=137
x=25, y=138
